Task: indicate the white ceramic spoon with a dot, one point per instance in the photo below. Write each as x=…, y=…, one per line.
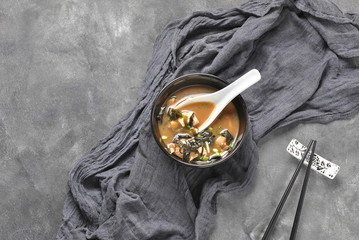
x=221, y=98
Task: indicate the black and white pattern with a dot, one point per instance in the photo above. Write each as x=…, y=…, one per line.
x=320, y=164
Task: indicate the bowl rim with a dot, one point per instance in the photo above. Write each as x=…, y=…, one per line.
x=154, y=122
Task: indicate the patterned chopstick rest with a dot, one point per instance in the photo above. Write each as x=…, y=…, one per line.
x=320, y=164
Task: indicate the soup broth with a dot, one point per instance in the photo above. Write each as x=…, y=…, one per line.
x=179, y=133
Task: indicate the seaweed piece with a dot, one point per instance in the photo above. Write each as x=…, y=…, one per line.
x=189, y=144
x=161, y=113
x=193, y=144
x=180, y=136
x=225, y=133
x=174, y=114
x=206, y=136
x=190, y=122
x=215, y=157
x=189, y=147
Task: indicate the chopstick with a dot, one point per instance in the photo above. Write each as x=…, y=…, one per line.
x=302, y=195
x=286, y=193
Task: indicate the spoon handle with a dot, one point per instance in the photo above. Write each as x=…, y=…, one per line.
x=227, y=94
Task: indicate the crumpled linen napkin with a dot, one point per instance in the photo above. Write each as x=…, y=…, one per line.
x=307, y=53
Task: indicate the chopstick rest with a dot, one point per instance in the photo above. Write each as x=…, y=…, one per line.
x=320, y=164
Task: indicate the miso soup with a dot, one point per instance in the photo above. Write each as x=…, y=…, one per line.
x=178, y=128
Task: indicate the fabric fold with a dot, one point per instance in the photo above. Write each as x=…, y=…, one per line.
x=125, y=187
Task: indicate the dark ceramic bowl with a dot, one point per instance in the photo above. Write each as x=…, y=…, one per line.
x=202, y=80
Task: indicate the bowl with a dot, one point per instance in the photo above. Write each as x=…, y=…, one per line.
x=199, y=79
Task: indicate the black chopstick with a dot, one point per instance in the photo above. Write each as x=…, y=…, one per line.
x=286, y=193
x=302, y=195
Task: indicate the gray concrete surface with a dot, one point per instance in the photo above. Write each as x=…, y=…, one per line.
x=70, y=69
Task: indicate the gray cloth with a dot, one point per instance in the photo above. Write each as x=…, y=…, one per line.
x=307, y=53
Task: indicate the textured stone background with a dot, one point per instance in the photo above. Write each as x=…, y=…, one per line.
x=70, y=69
